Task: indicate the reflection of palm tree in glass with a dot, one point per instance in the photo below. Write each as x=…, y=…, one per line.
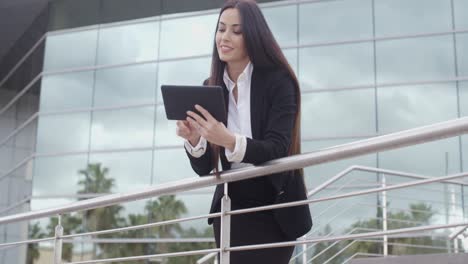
x=162, y=209
x=35, y=232
x=97, y=182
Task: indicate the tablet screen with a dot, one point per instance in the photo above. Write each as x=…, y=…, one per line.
x=178, y=99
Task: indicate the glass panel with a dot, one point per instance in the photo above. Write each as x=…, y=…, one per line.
x=426, y=159
x=58, y=133
x=58, y=175
x=165, y=130
x=463, y=98
x=464, y=147
x=125, y=85
x=187, y=36
x=331, y=66
x=123, y=128
x=461, y=17
x=66, y=91
x=69, y=50
x=184, y=72
x=171, y=165
x=326, y=21
x=128, y=43
x=405, y=107
x=283, y=23
x=130, y=171
x=462, y=54
x=408, y=59
x=399, y=17
x=329, y=114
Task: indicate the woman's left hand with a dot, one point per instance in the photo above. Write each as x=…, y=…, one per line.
x=211, y=129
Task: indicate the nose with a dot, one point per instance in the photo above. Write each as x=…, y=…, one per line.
x=225, y=36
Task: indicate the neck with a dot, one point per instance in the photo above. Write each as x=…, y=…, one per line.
x=235, y=69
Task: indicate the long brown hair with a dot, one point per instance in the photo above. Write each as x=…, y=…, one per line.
x=264, y=52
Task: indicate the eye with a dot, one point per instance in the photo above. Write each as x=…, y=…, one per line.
x=221, y=29
x=238, y=32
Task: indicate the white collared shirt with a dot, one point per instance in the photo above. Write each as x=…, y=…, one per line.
x=238, y=119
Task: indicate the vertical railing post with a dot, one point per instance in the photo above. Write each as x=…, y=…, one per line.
x=304, y=252
x=225, y=227
x=384, y=216
x=58, y=242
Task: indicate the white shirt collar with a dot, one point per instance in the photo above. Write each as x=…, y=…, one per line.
x=245, y=76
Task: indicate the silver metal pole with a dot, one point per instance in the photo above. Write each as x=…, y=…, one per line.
x=58, y=242
x=384, y=216
x=225, y=235
x=304, y=251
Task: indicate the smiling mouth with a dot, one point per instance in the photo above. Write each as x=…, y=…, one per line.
x=225, y=49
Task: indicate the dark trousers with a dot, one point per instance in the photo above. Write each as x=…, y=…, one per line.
x=255, y=228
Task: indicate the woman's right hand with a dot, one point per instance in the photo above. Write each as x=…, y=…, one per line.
x=188, y=132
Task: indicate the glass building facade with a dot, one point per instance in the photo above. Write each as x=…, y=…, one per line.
x=366, y=68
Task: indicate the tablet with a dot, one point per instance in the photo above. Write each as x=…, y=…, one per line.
x=178, y=99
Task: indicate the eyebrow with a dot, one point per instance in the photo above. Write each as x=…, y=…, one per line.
x=234, y=25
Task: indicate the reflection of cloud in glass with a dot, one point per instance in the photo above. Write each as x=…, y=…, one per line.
x=187, y=36
x=406, y=107
x=70, y=50
x=462, y=54
x=171, y=165
x=461, y=16
x=66, y=91
x=341, y=113
x=125, y=85
x=397, y=17
x=57, y=133
x=165, y=134
x=61, y=171
x=340, y=65
x=184, y=72
x=283, y=23
x=464, y=98
x=130, y=170
x=335, y=20
x=128, y=43
x=415, y=59
x=427, y=159
x=124, y=128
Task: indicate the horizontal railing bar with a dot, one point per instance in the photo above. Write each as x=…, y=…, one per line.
x=347, y=237
x=391, y=141
x=347, y=195
x=282, y=244
x=138, y=240
x=32, y=241
x=165, y=255
x=402, y=174
x=136, y=227
x=370, y=169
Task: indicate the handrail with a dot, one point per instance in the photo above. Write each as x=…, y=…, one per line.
x=391, y=141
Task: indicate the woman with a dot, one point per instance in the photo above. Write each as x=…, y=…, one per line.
x=263, y=124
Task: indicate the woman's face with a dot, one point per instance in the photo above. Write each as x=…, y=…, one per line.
x=230, y=39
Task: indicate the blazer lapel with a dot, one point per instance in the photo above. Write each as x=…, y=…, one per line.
x=255, y=103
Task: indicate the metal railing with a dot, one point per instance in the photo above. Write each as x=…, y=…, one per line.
x=391, y=141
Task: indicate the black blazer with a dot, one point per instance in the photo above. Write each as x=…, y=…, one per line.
x=273, y=108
